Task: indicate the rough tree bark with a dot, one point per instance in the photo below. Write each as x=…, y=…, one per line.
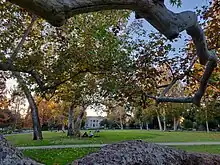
x=37, y=134
x=154, y=11
x=78, y=123
x=70, y=131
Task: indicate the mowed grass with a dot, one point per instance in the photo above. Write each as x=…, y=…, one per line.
x=64, y=156
x=110, y=136
x=212, y=149
x=58, y=156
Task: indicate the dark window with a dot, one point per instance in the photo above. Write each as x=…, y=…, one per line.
x=93, y=125
x=93, y=120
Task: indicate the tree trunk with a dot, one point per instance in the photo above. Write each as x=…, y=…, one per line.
x=206, y=121
x=164, y=121
x=77, y=125
x=174, y=123
x=147, y=126
x=37, y=134
x=120, y=118
x=207, y=126
x=70, y=121
x=16, y=117
x=121, y=125
x=141, y=124
x=159, y=122
x=63, y=127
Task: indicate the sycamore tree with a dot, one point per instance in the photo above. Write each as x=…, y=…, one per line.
x=52, y=50
x=155, y=12
x=166, y=22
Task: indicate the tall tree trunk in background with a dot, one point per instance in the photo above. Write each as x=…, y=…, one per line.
x=77, y=125
x=147, y=125
x=141, y=124
x=207, y=126
x=70, y=121
x=16, y=116
x=37, y=134
x=164, y=120
x=158, y=119
x=206, y=122
x=174, y=123
x=121, y=123
x=63, y=127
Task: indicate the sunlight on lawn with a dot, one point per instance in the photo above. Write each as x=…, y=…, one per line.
x=110, y=136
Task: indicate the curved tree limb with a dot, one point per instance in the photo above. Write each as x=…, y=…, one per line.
x=27, y=31
x=154, y=11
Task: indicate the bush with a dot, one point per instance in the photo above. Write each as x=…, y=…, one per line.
x=187, y=124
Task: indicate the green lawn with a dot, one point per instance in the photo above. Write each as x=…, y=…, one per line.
x=64, y=156
x=58, y=156
x=109, y=136
x=213, y=149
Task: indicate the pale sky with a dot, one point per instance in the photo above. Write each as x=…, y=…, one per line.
x=186, y=5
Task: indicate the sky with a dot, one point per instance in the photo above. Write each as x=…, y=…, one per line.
x=186, y=5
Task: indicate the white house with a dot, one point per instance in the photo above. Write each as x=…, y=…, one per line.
x=93, y=121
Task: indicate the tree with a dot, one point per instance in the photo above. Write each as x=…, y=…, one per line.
x=10, y=52
x=6, y=118
x=17, y=104
x=165, y=21
x=39, y=63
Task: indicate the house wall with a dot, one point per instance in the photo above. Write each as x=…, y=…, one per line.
x=93, y=121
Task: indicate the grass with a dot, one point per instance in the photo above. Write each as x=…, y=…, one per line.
x=58, y=156
x=110, y=136
x=64, y=156
x=213, y=149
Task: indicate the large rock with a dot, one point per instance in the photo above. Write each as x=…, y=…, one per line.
x=142, y=153
x=9, y=155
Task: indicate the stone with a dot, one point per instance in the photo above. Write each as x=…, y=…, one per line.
x=143, y=153
x=9, y=155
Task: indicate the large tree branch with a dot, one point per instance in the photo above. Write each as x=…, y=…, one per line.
x=27, y=31
x=154, y=11
x=212, y=63
x=46, y=88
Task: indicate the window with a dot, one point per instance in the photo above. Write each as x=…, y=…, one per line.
x=93, y=120
x=97, y=121
x=93, y=125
